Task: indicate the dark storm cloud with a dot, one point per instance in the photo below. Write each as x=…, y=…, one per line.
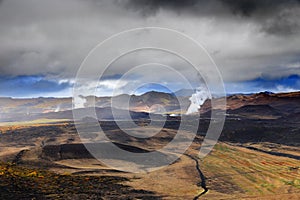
x=250, y=7
x=278, y=17
x=52, y=38
x=151, y=7
x=239, y=7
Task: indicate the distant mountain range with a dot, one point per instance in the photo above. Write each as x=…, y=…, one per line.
x=264, y=104
x=61, y=108
x=146, y=102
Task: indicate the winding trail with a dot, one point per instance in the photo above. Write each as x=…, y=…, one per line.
x=19, y=156
x=201, y=175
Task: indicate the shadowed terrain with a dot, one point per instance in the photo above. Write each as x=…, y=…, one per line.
x=257, y=157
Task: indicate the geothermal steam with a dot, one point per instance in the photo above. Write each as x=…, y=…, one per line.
x=197, y=99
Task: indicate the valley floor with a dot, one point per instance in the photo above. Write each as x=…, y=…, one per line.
x=231, y=171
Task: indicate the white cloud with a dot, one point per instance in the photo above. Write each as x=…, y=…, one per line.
x=53, y=37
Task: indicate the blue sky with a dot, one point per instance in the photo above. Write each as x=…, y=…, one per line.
x=36, y=86
x=32, y=86
x=282, y=84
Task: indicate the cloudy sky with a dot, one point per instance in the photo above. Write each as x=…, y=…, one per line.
x=255, y=44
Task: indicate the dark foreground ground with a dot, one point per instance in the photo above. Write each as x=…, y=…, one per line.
x=27, y=183
x=255, y=159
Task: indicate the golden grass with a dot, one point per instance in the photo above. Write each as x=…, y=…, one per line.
x=33, y=122
x=250, y=172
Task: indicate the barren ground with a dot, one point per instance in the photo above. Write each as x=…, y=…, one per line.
x=231, y=170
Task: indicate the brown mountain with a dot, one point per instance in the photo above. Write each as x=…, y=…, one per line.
x=261, y=105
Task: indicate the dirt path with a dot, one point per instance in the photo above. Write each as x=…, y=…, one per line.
x=201, y=176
